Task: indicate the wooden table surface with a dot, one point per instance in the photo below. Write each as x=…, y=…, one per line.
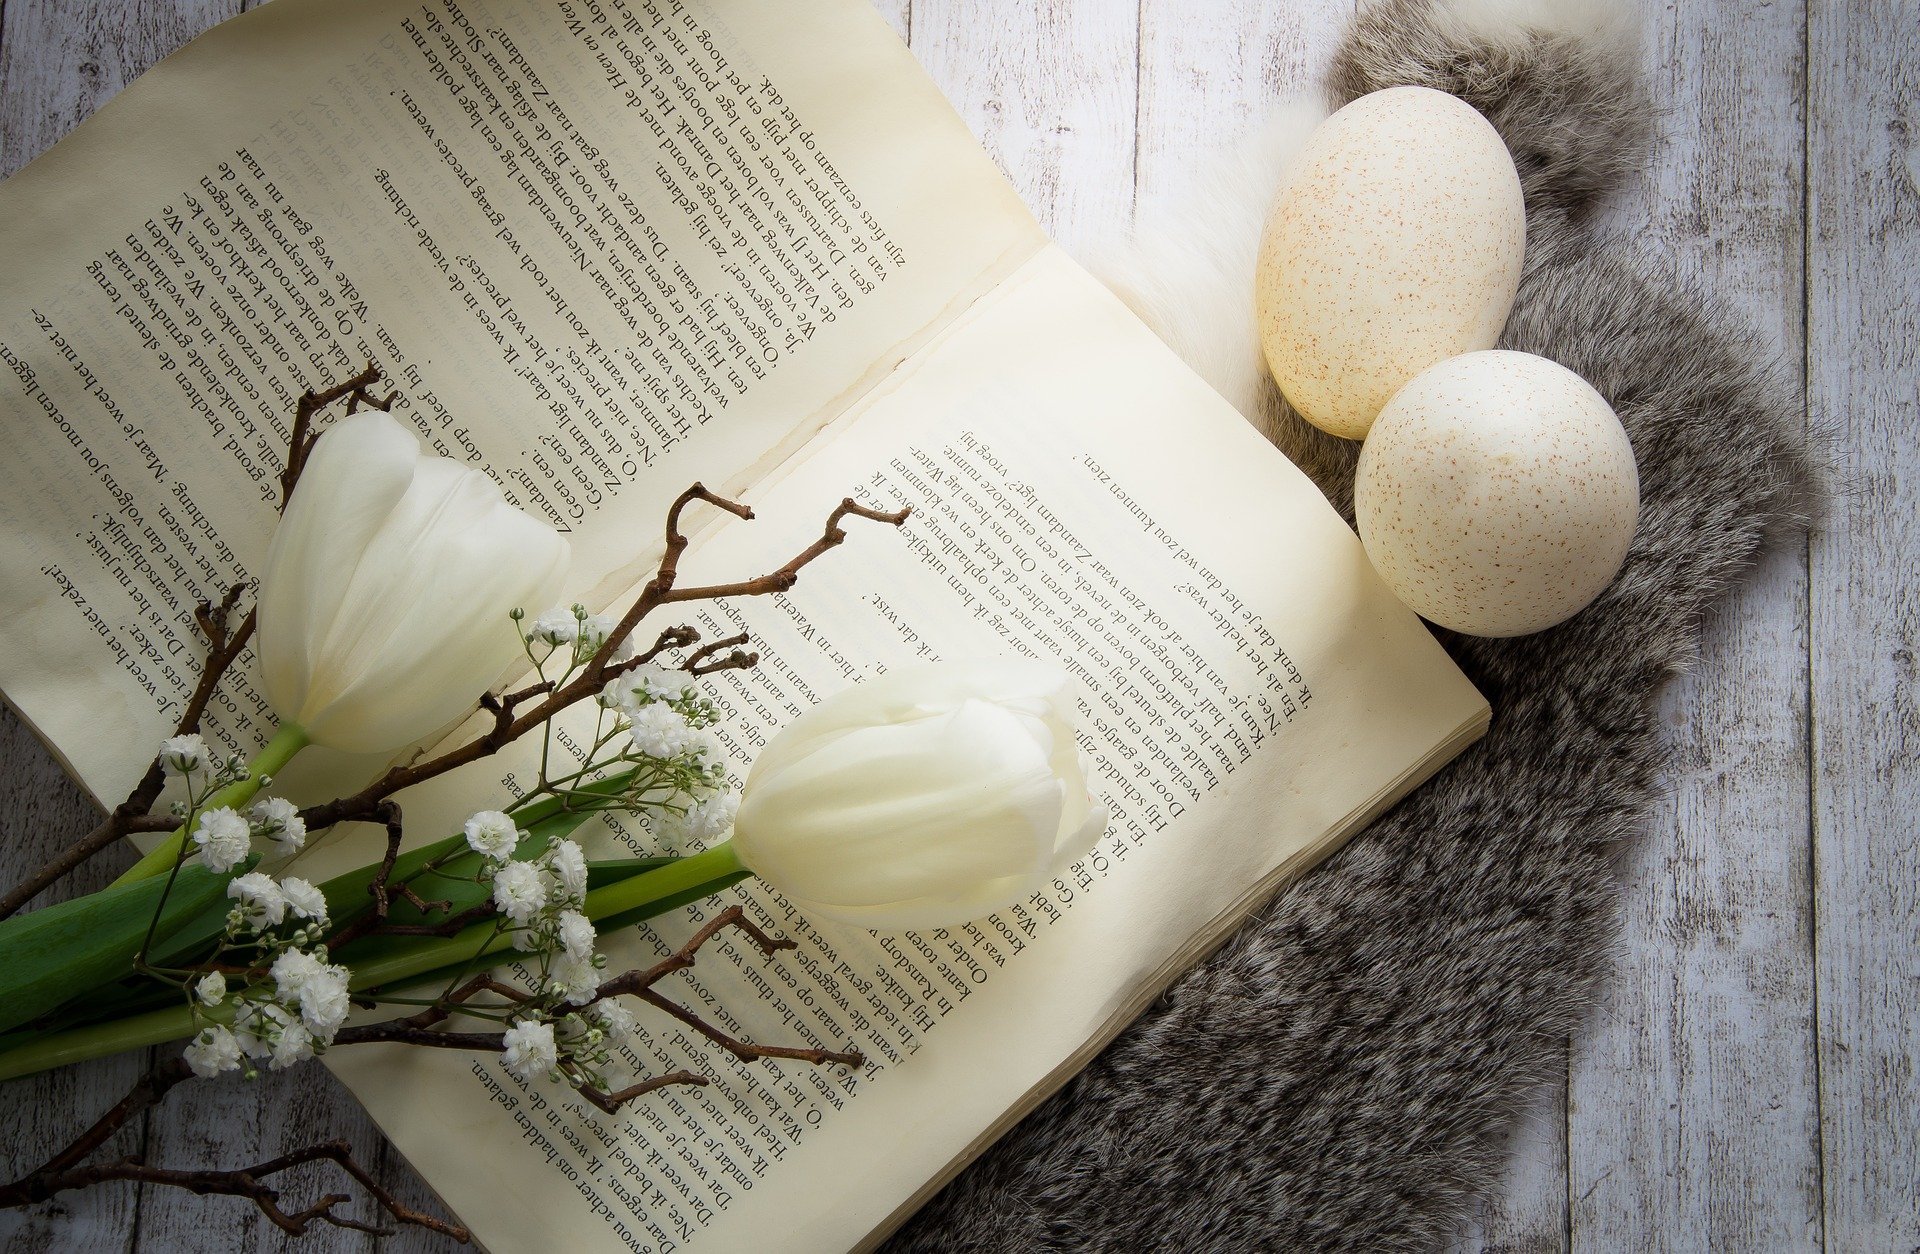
x=1749, y=1082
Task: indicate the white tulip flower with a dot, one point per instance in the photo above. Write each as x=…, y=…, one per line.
x=385, y=593
x=926, y=798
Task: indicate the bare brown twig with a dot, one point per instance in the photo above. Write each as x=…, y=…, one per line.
x=132, y=815
x=514, y=714
x=513, y=717
x=69, y=1169
x=224, y=648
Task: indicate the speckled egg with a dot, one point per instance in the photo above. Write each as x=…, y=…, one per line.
x=1497, y=494
x=1395, y=243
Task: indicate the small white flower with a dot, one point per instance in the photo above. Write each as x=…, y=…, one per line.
x=660, y=731
x=306, y=901
x=319, y=988
x=185, y=755
x=575, y=979
x=293, y=1045
x=530, y=1049
x=643, y=686
x=614, y=1018
x=706, y=817
x=492, y=834
x=262, y=902
x=256, y=1025
x=280, y=819
x=292, y=971
x=594, y=630
x=213, y=1052
x=576, y=935
x=324, y=1005
x=555, y=627
x=569, y=867
x=519, y=891
x=224, y=839
x=211, y=988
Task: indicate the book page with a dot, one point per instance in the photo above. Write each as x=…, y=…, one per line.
x=600, y=248
x=1249, y=694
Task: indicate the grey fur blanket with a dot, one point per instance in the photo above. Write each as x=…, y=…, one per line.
x=1339, y=1074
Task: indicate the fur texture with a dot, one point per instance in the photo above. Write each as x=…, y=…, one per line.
x=1337, y=1076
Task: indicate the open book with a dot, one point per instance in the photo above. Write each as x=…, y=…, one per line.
x=604, y=248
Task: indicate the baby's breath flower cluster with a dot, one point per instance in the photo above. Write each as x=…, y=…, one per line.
x=540, y=899
x=654, y=723
x=289, y=1000
x=270, y=992
x=224, y=837
x=665, y=718
x=572, y=633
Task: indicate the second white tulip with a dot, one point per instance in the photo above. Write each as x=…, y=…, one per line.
x=925, y=798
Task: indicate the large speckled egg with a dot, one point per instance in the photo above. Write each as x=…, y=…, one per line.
x=1497, y=494
x=1394, y=243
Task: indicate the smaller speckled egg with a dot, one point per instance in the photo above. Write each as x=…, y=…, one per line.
x=1497, y=494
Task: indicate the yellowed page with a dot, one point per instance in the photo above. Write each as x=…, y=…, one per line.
x=1250, y=694
x=600, y=247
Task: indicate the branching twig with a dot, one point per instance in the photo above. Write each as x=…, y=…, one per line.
x=513, y=717
x=383, y=891
x=640, y=984
x=355, y=391
x=707, y=659
x=69, y=1170
x=223, y=650
x=133, y=814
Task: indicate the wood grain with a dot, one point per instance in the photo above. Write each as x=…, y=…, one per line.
x=1863, y=355
x=59, y=61
x=39, y=809
x=1050, y=87
x=1527, y=1214
x=1210, y=73
x=1693, y=1108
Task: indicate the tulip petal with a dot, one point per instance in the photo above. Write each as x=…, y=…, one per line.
x=889, y=813
x=917, y=692
x=357, y=472
x=923, y=914
x=384, y=613
x=432, y=602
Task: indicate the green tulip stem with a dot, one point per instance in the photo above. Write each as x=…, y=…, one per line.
x=272, y=758
x=711, y=867
x=602, y=903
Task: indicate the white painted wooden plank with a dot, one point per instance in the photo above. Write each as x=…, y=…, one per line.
x=1049, y=87
x=62, y=59
x=899, y=15
x=1693, y=1113
x=39, y=807
x=230, y=1122
x=1527, y=1213
x=1210, y=73
x=1863, y=361
x=59, y=61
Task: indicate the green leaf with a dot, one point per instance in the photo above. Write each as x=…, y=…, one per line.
x=599, y=874
x=75, y=946
x=545, y=821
